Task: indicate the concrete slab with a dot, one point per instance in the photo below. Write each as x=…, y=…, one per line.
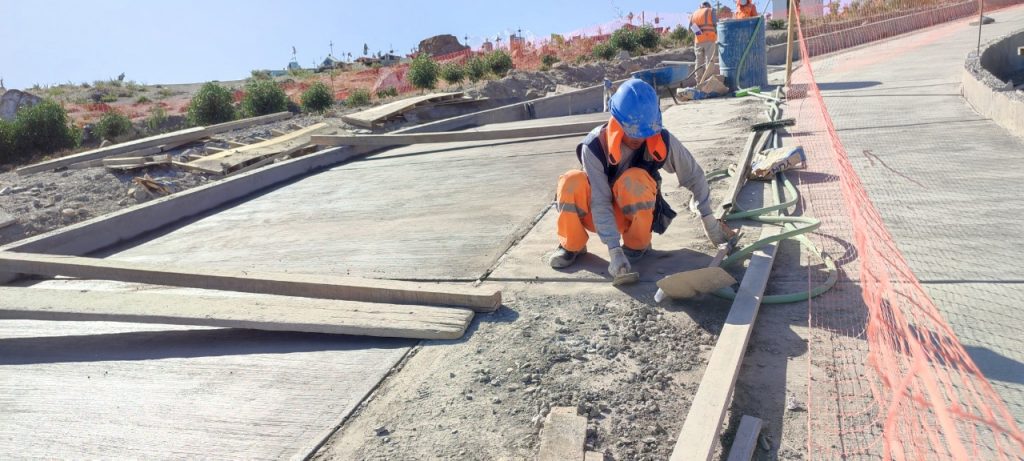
x=945, y=180
x=129, y=391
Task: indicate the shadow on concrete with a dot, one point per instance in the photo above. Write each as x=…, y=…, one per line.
x=839, y=86
x=154, y=345
x=996, y=366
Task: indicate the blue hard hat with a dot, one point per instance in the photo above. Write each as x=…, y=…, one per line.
x=637, y=108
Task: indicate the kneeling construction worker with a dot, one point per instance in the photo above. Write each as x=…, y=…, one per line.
x=617, y=194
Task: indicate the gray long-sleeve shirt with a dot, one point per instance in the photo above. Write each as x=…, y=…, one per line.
x=679, y=161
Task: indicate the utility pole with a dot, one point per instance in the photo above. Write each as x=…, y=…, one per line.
x=789, y=41
x=332, y=48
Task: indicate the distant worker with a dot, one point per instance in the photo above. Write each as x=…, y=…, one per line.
x=702, y=23
x=617, y=194
x=745, y=9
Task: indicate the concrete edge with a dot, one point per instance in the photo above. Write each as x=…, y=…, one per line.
x=979, y=89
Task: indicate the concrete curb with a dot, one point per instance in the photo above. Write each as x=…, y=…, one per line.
x=987, y=93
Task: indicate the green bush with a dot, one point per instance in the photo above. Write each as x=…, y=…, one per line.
x=212, y=104
x=263, y=97
x=43, y=128
x=142, y=100
x=548, y=60
x=423, y=72
x=777, y=24
x=453, y=73
x=358, y=97
x=259, y=74
x=626, y=39
x=476, y=69
x=112, y=125
x=157, y=117
x=682, y=36
x=499, y=62
x=7, y=136
x=108, y=97
x=604, y=50
x=647, y=37
x=388, y=92
x=317, y=98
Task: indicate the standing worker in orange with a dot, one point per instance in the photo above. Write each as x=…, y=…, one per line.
x=617, y=194
x=702, y=23
x=745, y=9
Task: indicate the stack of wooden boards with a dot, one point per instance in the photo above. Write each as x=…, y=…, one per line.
x=145, y=147
x=380, y=115
x=281, y=147
x=265, y=301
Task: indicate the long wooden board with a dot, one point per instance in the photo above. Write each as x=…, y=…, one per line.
x=745, y=442
x=191, y=134
x=376, y=115
x=173, y=138
x=566, y=129
x=564, y=436
x=265, y=312
x=222, y=162
x=310, y=286
x=700, y=431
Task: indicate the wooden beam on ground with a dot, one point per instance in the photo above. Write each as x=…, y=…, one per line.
x=228, y=160
x=576, y=128
x=191, y=134
x=700, y=431
x=564, y=436
x=375, y=115
x=745, y=442
x=247, y=122
x=275, y=313
x=173, y=138
x=593, y=456
x=285, y=284
x=133, y=163
x=236, y=144
x=278, y=132
x=279, y=157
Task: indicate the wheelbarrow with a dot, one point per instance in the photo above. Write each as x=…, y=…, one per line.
x=665, y=77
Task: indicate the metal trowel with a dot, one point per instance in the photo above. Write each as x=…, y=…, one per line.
x=628, y=278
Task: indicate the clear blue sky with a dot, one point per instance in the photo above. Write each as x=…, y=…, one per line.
x=50, y=42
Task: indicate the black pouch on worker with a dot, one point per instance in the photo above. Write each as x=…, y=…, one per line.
x=663, y=214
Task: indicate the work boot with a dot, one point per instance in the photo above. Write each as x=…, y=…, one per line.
x=634, y=255
x=563, y=258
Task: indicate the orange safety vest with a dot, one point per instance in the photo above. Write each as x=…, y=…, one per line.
x=705, y=19
x=745, y=11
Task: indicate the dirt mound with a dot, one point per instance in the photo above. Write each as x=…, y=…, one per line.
x=441, y=44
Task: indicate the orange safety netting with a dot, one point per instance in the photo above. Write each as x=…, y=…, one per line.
x=888, y=377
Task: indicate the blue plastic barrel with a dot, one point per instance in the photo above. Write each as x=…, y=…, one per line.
x=734, y=39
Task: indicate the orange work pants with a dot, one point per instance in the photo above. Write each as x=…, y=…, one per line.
x=633, y=195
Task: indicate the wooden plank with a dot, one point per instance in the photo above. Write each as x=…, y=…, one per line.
x=745, y=443
x=311, y=286
x=278, y=132
x=700, y=431
x=212, y=150
x=371, y=117
x=275, y=313
x=593, y=456
x=564, y=436
x=247, y=122
x=279, y=157
x=137, y=161
x=226, y=161
x=189, y=135
x=234, y=144
x=576, y=128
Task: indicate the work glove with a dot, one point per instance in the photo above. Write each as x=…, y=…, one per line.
x=716, y=230
x=620, y=264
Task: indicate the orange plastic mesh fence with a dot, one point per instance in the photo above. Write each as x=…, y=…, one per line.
x=888, y=378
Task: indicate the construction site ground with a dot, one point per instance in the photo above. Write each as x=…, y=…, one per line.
x=462, y=212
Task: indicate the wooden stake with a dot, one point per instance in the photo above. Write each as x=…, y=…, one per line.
x=789, y=40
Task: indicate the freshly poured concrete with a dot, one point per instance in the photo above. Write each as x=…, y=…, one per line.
x=946, y=180
x=72, y=390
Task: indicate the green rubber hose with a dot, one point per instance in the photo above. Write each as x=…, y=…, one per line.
x=771, y=215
